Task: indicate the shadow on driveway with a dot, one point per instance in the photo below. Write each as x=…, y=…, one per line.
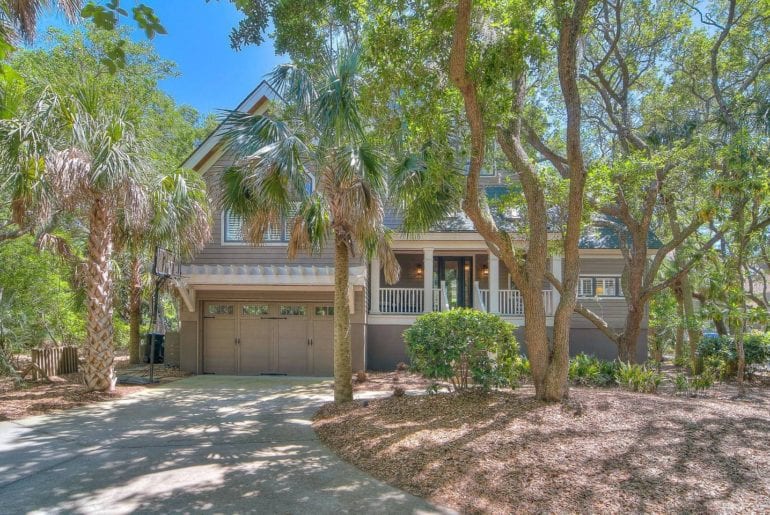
x=206, y=443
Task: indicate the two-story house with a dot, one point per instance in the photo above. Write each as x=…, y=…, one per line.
x=249, y=310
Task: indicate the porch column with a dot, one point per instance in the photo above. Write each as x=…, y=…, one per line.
x=374, y=285
x=556, y=262
x=427, y=280
x=494, y=284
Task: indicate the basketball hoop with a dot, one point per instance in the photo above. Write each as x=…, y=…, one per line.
x=165, y=264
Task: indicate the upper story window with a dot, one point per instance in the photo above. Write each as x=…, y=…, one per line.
x=233, y=229
x=599, y=287
x=277, y=232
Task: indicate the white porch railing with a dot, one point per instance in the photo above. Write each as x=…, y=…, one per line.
x=480, y=297
x=410, y=300
x=444, y=298
x=511, y=302
x=436, y=299
x=401, y=300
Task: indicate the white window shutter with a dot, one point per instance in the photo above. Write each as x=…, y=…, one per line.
x=233, y=227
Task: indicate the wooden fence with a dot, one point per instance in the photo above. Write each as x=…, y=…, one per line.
x=54, y=361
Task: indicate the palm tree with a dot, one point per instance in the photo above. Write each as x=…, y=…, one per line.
x=318, y=137
x=68, y=154
x=18, y=18
x=180, y=221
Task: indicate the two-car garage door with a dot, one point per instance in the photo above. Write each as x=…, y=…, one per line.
x=251, y=338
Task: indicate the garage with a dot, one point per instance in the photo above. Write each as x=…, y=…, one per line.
x=253, y=338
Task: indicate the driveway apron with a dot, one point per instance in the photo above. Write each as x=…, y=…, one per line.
x=206, y=443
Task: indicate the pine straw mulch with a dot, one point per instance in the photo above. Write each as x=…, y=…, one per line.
x=68, y=391
x=40, y=397
x=606, y=451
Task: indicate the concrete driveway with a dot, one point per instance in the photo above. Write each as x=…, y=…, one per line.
x=206, y=443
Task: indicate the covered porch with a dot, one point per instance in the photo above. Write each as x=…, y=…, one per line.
x=439, y=279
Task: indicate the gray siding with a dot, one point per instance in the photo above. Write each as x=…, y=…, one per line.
x=614, y=309
x=217, y=253
x=386, y=347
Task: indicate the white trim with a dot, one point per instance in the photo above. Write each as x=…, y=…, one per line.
x=187, y=295
x=244, y=243
x=618, y=287
x=383, y=319
x=263, y=90
x=270, y=275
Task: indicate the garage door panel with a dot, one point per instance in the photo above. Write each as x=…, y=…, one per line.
x=323, y=348
x=219, y=350
x=256, y=347
x=293, y=338
x=290, y=337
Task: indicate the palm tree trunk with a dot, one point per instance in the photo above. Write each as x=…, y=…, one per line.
x=693, y=330
x=98, y=370
x=343, y=367
x=135, y=310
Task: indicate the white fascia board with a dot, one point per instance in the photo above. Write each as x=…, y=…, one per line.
x=263, y=90
x=196, y=276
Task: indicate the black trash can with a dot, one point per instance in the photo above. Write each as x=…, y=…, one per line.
x=160, y=340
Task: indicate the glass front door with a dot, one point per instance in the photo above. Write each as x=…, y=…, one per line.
x=457, y=275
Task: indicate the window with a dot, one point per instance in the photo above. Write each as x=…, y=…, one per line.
x=324, y=311
x=599, y=287
x=293, y=310
x=605, y=287
x=586, y=287
x=251, y=310
x=220, y=309
x=232, y=228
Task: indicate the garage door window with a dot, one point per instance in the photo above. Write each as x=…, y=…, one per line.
x=288, y=310
x=220, y=309
x=324, y=311
x=252, y=310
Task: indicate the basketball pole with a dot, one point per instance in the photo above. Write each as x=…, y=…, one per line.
x=159, y=278
x=155, y=313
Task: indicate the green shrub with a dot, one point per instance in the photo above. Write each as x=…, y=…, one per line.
x=638, y=378
x=719, y=355
x=466, y=347
x=695, y=384
x=588, y=370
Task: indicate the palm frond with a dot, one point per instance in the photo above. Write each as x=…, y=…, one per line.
x=294, y=85
x=23, y=14
x=426, y=188
x=336, y=109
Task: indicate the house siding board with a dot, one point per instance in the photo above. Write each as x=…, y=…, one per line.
x=385, y=347
x=217, y=253
x=601, y=266
x=188, y=346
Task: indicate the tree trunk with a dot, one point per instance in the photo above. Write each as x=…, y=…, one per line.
x=693, y=332
x=135, y=310
x=629, y=340
x=98, y=370
x=679, y=336
x=343, y=367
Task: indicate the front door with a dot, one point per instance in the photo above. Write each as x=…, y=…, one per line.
x=456, y=273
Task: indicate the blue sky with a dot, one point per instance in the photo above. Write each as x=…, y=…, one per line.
x=213, y=76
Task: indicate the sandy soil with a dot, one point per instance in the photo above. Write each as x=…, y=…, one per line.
x=607, y=451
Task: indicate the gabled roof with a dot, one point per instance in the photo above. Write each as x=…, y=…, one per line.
x=202, y=155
